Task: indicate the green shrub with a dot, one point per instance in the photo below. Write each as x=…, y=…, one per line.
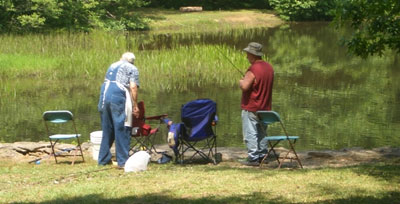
x=212, y=4
x=304, y=10
x=71, y=15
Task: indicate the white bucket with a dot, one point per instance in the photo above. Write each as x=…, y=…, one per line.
x=95, y=139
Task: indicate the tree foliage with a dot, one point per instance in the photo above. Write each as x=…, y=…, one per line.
x=304, y=10
x=40, y=15
x=376, y=24
x=212, y=4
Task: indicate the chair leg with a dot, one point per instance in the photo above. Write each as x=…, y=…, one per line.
x=144, y=143
x=52, y=149
x=80, y=149
x=206, y=152
x=132, y=147
x=149, y=144
x=280, y=162
x=294, y=151
x=212, y=152
x=271, y=149
x=73, y=159
x=284, y=158
x=215, y=152
x=76, y=150
x=262, y=161
x=138, y=144
x=181, y=152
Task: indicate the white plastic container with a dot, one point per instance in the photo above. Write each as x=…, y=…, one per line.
x=95, y=139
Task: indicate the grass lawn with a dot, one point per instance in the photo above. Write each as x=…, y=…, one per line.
x=227, y=182
x=173, y=21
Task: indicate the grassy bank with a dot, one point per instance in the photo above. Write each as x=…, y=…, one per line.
x=223, y=183
x=174, y=21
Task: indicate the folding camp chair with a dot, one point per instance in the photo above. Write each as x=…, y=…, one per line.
x=60, y=119
x=196, y=134
x=269, y=117
x=142, y=133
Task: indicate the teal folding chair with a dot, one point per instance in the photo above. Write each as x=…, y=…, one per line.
x=270, y=117
x=58, y=118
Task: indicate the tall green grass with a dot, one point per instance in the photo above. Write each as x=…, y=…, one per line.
x=192, y=66
x=61, y=56
x=64, y=54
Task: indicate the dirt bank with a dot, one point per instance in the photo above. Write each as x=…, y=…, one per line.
x=28, y=151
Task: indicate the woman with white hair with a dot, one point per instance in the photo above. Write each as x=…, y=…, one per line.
x=118, y=99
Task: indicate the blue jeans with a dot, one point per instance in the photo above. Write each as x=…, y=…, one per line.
x=112, y=122
x=254, y=133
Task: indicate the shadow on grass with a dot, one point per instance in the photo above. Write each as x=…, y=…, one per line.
x=391, y=197
x=250, y=169
x=165, y=198
x=387, y=172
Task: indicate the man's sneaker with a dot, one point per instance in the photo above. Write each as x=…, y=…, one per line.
x=250, y=163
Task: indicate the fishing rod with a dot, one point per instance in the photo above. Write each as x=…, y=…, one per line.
x=234, y=66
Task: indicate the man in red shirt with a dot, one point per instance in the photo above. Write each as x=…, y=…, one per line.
x=256, y=88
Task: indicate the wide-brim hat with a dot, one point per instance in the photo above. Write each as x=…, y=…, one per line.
x=254, y=48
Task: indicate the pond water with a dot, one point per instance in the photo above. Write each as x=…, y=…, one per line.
x=328, y=98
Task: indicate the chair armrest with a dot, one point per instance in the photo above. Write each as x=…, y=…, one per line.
x=215, y=121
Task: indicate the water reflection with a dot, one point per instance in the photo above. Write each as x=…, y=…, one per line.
x=331, y=100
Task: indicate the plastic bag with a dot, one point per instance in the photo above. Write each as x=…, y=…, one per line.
x=165, y=158
x=137, y=162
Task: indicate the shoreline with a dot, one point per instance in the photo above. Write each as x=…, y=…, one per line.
x=23, y=152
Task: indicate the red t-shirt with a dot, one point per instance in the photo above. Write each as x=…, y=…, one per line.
x=259, y=96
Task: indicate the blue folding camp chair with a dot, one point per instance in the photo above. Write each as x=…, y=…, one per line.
x=196, y=132
x=269, y=117
x=57, y=118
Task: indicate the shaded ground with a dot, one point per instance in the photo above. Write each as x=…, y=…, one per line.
x=30, y=151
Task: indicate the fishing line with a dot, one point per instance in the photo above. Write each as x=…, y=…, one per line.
x=234, y=66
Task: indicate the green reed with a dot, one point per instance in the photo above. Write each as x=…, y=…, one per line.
x=60, y=55
x=191, y=66
x=87, y=56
